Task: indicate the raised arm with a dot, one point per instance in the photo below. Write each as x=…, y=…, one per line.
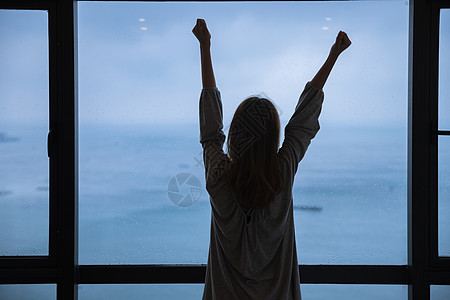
x=342, y=43
x=204, y=37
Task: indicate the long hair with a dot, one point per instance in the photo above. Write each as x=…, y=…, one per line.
x=252, y=145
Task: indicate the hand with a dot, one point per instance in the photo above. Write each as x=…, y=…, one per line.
x=201, y=32
x=342, y=43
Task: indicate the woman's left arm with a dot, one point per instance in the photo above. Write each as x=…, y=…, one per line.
x=204, y=37
x=342, y=43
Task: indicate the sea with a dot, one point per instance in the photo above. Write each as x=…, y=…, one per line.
x=142, y=200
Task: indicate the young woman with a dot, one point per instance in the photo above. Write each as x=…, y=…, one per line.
x=252, y=252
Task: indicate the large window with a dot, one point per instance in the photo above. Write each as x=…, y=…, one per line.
x=113, y=204
x=139, y=84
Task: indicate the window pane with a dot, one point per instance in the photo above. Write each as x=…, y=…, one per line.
x=139, y=80
x=444, y=195
x=354, y=291
x=24, y=105
x=444, y=141
x=140, y=291
x=195, y=291
x=444, y=70
x=440, y=292
x=28, y=291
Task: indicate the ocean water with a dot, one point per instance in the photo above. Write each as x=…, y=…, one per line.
x=349, y=199
x=24, y=207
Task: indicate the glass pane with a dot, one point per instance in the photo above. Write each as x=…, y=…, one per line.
x=24, y=106
x=444, y=70
x=195, y=291
x=28, y=292
x=440, y=292
x=444, y=195
x=139, y=80
x=354, y=291
x=140, y=291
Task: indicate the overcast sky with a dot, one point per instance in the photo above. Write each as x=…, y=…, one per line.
x=139, y=62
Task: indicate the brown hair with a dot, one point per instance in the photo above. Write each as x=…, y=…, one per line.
x=253, y=140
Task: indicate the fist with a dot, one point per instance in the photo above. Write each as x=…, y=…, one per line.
x=201, y=32
x=342, y=43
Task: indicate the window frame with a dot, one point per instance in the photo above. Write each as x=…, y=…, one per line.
x=424, y=266
x=49, y=260
x=61, y=263
x=436, y=260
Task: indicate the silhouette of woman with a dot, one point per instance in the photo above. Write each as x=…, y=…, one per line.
x=252, y=251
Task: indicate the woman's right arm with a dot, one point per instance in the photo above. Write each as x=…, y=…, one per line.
x=342, y=43
x=201, y=32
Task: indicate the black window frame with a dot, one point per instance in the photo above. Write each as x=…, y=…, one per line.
x=60, y=267
x=436, y=132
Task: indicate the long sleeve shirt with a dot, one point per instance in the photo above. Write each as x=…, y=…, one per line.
x=256, y=259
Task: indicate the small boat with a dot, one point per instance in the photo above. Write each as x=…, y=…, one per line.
x=308, y=207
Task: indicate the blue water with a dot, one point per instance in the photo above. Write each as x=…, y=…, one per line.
x=24, y=209
x=349, y=195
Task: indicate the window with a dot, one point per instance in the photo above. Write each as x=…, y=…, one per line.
x=141, y=291
x=28, y=291
x=444, y=73
x=440, y=292
x=195, y=291
x=139, y=84
x=353, y=291
x=444, y=195
x=444, y=139
x=24, y=122
x=71, y=175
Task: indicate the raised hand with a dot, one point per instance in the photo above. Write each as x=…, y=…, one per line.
x=342, y=43
x=204, y=37
x=201, y=32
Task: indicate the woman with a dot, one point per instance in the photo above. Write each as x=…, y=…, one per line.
x=252, y=253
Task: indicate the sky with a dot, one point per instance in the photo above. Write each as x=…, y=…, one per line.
x=139, y=63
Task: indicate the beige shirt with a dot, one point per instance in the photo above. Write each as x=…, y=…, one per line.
x=253, y=255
